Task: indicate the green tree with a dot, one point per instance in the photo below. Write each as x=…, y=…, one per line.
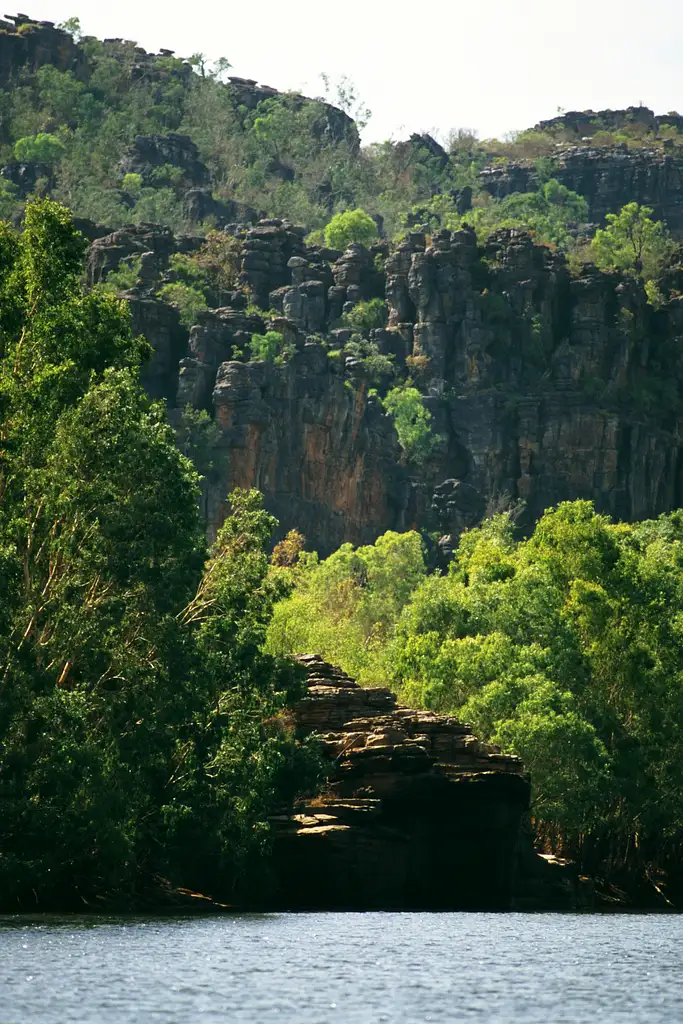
x=134, y=697
x=42, y=148
x=634, y=243
x=132, y=183
x=350, y=226
x=72, y=26
x=412, y=422
x=564, y=648
x=345, y=606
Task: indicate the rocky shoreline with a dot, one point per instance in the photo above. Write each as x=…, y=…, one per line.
x=416, y=812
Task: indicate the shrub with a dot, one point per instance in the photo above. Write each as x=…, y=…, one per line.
x=350, y=226
x=189, y=301
x=366, y=316
x=132, y=183
x=42, y=148
x=412, y=422
x=218, y=262
x=123, y=278
x=375, y=364
x=316, y=237
x=270, y=347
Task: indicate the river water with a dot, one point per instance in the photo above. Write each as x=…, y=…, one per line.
x=343, y=969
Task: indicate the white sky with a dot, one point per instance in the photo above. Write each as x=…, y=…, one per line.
x=492, y=65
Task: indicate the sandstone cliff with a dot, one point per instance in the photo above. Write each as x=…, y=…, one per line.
x=647, y=167
x=608, y=177
x=542, y=386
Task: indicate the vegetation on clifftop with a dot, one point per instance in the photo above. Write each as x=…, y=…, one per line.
x=282, y=156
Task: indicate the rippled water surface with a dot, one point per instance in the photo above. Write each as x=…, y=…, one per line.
x=343, y=969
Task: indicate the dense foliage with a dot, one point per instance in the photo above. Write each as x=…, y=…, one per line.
x=286, y=157
x=565, y=648
x=553, y=213
x=73, y=133
x=133, y=690
x=634, y=243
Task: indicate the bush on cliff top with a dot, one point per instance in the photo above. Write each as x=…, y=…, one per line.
x=350, y=226
x=552, y=213
x=634, y=243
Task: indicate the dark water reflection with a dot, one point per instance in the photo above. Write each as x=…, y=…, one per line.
x=343, y=969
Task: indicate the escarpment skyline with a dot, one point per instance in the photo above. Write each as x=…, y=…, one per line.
x=208, y=205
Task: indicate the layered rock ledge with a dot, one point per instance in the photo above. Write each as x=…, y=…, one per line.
x=416, y=811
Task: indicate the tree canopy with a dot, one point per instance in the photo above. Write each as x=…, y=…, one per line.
x=564, y=648
x=133, y=690
x=633, y=242
x=350, y=226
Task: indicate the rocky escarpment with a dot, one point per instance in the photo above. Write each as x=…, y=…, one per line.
x=416, y=812
x=608, y=177
x=28, y=44
x=336, y=126
x=542, y=386
x=647, y=168
x=163, y=161
x=584, y=123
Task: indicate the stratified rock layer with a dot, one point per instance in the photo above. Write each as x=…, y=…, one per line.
x=607, y=177
x=542, y=386
x=416, y=812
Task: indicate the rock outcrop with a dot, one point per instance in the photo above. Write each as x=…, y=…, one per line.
x=416, y=812
x=107, y=252
x=584, y=123
x=25, y=43
x=542, y=386
x=156, y=157
x=335, y=126
x=607, y=177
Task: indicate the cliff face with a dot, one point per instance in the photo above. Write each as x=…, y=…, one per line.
x=325, y=456
x=416, y=812
x=608, y=178
x=542, y=387
x=27, y=45
x=647, y=169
